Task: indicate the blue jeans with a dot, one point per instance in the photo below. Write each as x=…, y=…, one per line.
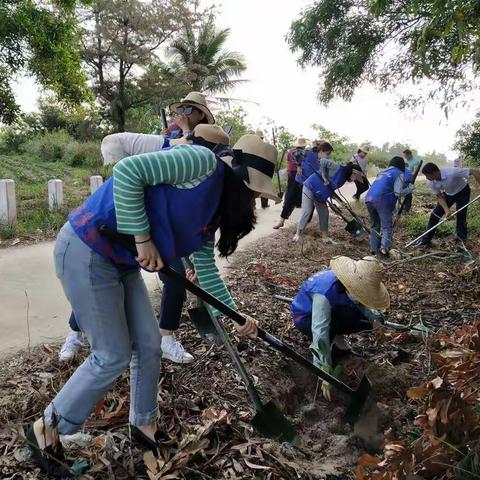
x=113, y=310
x=173, y=298
x=381, y=227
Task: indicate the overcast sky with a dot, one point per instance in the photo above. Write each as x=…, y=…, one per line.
x=287, y=94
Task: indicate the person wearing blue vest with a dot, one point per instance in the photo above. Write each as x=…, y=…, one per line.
x=340, y=300
x=171, y=202
x=381, y=200
x=326, y=176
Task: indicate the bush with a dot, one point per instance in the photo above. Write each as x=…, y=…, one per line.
x=12, y=140
x=86, y=154
x=49, y=147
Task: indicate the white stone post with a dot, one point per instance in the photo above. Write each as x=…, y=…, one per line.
x=8, y=202
x=96, y=182
x=55, y=194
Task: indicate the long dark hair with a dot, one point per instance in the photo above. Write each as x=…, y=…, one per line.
x=236, y=213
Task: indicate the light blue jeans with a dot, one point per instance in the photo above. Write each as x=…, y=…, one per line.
x=381, y=227
x=113, y=310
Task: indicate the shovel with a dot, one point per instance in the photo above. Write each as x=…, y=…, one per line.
x=269, y=421
x=352, y=226
x=358, y=396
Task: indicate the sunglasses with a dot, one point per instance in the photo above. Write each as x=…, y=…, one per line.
x=185, y=110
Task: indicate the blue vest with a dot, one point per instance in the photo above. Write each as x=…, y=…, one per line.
x=310, y=164
x=327, y=284
x=181, y=220
x=381, y=193
x=322, y=192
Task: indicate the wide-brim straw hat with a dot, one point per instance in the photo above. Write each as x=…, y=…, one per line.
x=301, y=142
x=197, y=100
x=364, y=148
x=260, y=159
x=363, y=280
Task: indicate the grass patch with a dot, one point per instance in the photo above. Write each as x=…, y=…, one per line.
x=31, y=177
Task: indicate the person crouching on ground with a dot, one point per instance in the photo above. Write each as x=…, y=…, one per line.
x=293, y=195
x=341, y=300
x=381, y=200
x=171, y=202
x=450, y=185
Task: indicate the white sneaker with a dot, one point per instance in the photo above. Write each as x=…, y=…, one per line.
x=72, y=345
x=173, y=350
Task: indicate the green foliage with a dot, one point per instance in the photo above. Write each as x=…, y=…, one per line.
x=13, y=138
x=50, y=147
x=342, y=150
x=390, y=42
x=468, y=141
x=84, y=154
x=236, y=118
x=200, y=57
x=41, y=38
x=121, y=41
x=285, y=139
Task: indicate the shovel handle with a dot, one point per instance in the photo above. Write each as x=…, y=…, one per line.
x=127, y=242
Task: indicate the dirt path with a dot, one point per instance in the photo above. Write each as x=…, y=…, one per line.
x=28, y=283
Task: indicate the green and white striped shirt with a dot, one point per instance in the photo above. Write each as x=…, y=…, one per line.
x=184, y=166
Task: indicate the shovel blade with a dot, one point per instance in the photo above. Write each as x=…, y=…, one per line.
x=354, y=228
x=359, y=400
x=270, y=422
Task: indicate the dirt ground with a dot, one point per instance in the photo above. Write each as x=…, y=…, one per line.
x=205, y=412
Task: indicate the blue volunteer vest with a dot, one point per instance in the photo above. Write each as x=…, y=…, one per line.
x=327, y=284
x=381, y=193
x=322, y=192
x=181, y=220
x=310, y=164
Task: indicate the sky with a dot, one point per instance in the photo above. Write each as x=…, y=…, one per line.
x=279, y=89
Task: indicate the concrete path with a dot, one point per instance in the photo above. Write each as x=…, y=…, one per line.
x=29, y=288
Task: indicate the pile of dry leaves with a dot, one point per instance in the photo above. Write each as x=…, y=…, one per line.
x=426, y=389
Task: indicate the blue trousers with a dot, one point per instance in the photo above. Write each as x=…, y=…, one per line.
x=381, y=227
x=113, y=310
x=173, y=297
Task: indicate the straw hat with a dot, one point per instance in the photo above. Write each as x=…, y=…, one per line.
x=254, y=160
x=197, y=100
x=362, y=280
x=364, y=149
x=259, y=133
x=301, y=142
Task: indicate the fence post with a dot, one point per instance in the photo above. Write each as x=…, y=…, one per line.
x=8, y=203
x=55, y=194
x=96, y=182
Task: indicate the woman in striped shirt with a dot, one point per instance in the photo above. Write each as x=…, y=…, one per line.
x=172, y=202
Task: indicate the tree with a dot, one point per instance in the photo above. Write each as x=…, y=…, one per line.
x=42, y=40
x=342, y=149
x=468, y=141
x=201, y=59
x=390, y=42
x=235, y=118
x=120, y=46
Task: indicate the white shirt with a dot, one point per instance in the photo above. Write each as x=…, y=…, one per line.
x=117, y=146
x=453, y=180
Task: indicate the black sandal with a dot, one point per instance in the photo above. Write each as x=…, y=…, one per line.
x=146, y=441
x=51, y=459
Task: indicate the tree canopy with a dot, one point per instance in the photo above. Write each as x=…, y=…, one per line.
x=468, y=141
x=390, y=42
x=41, y=39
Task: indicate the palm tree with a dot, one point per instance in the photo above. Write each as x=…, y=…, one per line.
x=200, y=60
